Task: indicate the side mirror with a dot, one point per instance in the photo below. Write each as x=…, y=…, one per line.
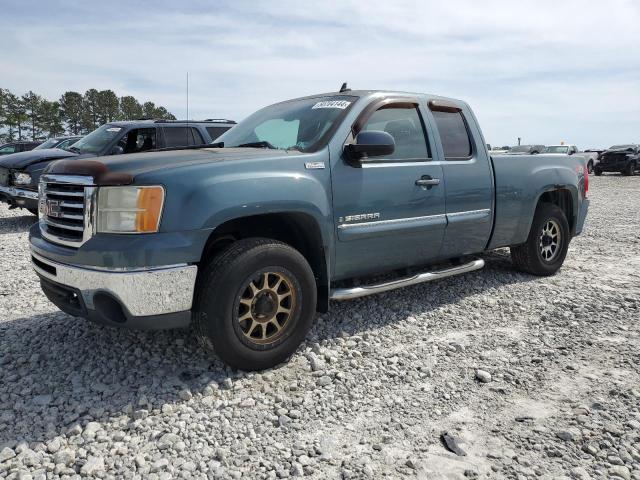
x=117, y=150
x=371, y=143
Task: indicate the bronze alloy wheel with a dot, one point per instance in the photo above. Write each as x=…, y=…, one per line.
x=550, y=240
x=266, y=306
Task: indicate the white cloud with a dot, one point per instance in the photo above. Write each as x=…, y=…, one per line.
x=543, y=70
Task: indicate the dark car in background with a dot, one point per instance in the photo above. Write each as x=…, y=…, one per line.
x=17, y=147
x=20, y=172
x=619, y=158
x=58, y=142
x=525, y=150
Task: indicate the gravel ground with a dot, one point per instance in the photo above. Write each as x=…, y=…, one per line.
x=531, y=377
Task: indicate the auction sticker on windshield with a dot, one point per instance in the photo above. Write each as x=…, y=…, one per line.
x=113, y=129
x=341, y=104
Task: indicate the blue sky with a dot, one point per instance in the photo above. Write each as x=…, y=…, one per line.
x=547, y=71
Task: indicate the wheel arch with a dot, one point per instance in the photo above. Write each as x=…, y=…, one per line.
x=562, y=197
x=299, y=230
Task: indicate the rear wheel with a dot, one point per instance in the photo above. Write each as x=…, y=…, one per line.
x=546, y=247
x=255, y=303
x=629, y=170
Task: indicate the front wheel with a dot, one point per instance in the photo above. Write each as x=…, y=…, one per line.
x=590, y=167
x=255, y=303
x=597, y=171
x=629, y=170
x=546, y=247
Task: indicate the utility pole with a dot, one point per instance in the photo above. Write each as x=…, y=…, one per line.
x=519, y=141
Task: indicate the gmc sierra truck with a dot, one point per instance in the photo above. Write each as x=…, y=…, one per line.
x=299, y=204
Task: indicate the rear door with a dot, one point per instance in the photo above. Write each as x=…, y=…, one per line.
x=468, y=179
x=384, y=219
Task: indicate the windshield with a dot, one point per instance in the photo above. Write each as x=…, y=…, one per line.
x=557, y=149
x=52, y=142
x=520, y=148
x=97, y=140
x=303, y=125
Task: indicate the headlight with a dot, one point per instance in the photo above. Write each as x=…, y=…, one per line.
x=129, y=209
x=20, y=178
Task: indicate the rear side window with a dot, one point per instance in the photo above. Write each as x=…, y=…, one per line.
x=405, y=126
x=197, y=137
x=453, y=134
x=177, y=137
x=182, y=136
x=215, y=132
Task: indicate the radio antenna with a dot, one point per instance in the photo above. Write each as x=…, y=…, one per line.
x=187, y=129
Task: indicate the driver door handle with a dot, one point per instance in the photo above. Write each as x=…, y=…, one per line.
x=427, y=182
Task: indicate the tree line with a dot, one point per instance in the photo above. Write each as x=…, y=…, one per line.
x=32, y=117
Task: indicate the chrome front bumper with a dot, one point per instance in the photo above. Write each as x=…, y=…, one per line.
x=141, y=292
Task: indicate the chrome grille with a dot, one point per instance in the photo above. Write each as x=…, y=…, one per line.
x=65, y=206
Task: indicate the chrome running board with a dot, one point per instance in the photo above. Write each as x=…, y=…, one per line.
x=355, y=292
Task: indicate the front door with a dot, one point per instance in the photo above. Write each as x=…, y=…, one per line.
x=386, y=215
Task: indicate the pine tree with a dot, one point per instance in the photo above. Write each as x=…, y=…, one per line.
x=71, y=107
x=32, y=104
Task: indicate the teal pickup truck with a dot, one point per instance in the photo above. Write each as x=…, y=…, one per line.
x=297, y=205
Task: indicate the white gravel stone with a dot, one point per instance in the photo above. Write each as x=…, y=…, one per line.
x=483, y=376
x=92, y=466
x=6, y=454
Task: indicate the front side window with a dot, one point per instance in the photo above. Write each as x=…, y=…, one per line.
x=8, y=149
x=453, y=135
x=304, y=125
x=138, y=140
x=405, y=126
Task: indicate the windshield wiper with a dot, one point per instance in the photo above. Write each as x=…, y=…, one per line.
x=261, y=144
x=74, y=149
x=191, y=147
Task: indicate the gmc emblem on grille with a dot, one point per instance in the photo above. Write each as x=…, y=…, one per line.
x=51, y=208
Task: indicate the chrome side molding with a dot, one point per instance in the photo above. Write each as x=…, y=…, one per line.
x=356, y=292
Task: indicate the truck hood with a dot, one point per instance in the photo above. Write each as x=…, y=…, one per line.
x=24, y=159
x=628, y=151
x=122, y=169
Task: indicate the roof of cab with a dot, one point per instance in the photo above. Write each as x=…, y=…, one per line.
x=367, y=93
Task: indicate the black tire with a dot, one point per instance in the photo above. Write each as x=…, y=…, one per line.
x=530, y=256
x=33, y=211
x=597, y=172
x=590, y=167
x=629, y=170
x=220, y=297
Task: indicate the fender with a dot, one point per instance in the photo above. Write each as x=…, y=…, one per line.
x=519, y=187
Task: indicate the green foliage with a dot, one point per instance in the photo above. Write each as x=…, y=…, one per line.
x=31, y=117
x=130, y=108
